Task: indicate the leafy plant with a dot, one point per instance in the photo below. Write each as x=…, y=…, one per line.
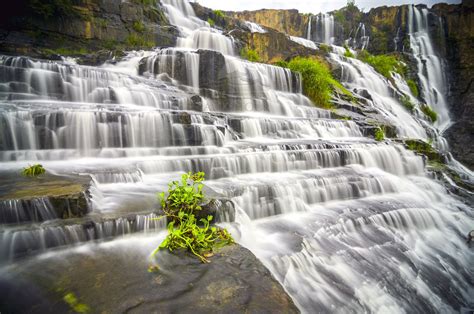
x=281, y=63
x=379, y=134
x=384, y=64
x=138, y=26
x=413, y=87
x=74, y=303
x=318, y=82
x=429, y=112
x=325, y=48
x=211, y=22
x=185, y=231
x=219, y=13
x=135, y=40
x=33, y=171
x=348, y=53
x=250, y=54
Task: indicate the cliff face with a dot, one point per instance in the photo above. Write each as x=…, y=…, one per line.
x=290, y=22
x=458, y=25
x=66, y=27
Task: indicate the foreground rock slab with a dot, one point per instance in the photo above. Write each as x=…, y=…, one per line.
x=114, y=279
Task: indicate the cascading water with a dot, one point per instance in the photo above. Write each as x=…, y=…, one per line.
x=431, y=69
x=346, y=224
x=323, y=29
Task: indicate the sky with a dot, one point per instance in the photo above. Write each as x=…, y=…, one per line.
x=306, y=6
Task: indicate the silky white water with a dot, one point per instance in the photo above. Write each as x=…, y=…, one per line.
x=345, y=223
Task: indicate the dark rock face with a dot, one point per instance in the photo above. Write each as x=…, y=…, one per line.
x=83, y=28
x=116, y=280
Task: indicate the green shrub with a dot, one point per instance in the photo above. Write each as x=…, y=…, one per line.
x=180, y=207
x=145, y=2
x=135, y=40
x=138, y=27
x=348, y=53
x=384, y=64
x=413, y=87
x=219, y=13
x=318, y=82
x=379, y=134
x=406, y=102
x=52, y=8
x=281, y=63
x=211, y=22
x=429, y=112
x=250, y=55
x=325, y=48
x=33, y=171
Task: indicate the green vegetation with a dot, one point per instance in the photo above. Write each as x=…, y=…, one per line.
x=250, y=54
x=219, y=13
x=384, y=64
x=348, y=53
x=318, y=82
x=325, y=48
x=135, y=40
x=429, y=112
x=145, y=2
x=211, y=22
x=379, y=134
x=413, y=87
x=52, y=8
x=423, y=148
x=66, y=51
x=138, y=26
x=74, y=303
x=180, y=207
x=406, y=102
x=281, y=63
x=33, y=171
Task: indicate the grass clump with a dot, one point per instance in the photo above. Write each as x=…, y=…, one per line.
x=413, y=87
x=135, y=40
x=325, y=48
x=430, y=113
x=138, y=27
x=384, y=64
x=379, y=134
x=318, y=82
x=281, y=63
x=348, y=53
x=211, y=22
x=74, y=303
x=185, y=231
x=33, y=171
x=406, y=102
x=250, y=55
x=219, y=13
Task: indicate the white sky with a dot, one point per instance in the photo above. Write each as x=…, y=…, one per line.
x=306, y=6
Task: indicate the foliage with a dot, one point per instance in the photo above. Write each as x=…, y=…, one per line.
x=219, y=13
x=74, y=303
x=406, y=102
x=135, y=40
x=66, y=51
x=429, y=112
x=52, y=8
x=145, y=2
x=250, y=54
x=413, y=87
x=33, y=171
x=281, y=63
x=318, y=82
x=184, y=232
x=384, y=64
x=379, y=134
x=325, y=48
x=423, y=148
x=138, y=26
x=211, y=22
x=348, y=53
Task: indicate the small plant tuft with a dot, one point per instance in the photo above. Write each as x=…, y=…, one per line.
x=219, y=13
x=185, y=231
x=430, y=113
x=413, y=88
x=379, y=134
x=33, y=171
x=250, y=54
x=406, y=102
x=348, y=53
x=325, y=48
x=211, y=22
x=138, y=27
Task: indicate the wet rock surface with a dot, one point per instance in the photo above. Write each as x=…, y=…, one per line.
x=114, y=279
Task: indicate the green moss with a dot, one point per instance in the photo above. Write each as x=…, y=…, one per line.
x=52, y=8
x=135, y=40
x=219, y=13
x=384, y=64
x=413, y=87
x=74, y=303
x=348, y=53
x=211, y=22
x=138, y=26
x=379, y=134
x=318, y=82
x=406, y=102
x=67, y=51
x=250, y=55
x=325, y=48
x=145, y=2
x=429, y=112
x=423, y=148
x=281, y=63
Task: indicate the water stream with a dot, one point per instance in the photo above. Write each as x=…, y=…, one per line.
x=345, y=223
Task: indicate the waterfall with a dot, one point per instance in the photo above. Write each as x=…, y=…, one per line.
x=431, y=69
x=254, y=27
x=308, y=32
x=343, y=222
